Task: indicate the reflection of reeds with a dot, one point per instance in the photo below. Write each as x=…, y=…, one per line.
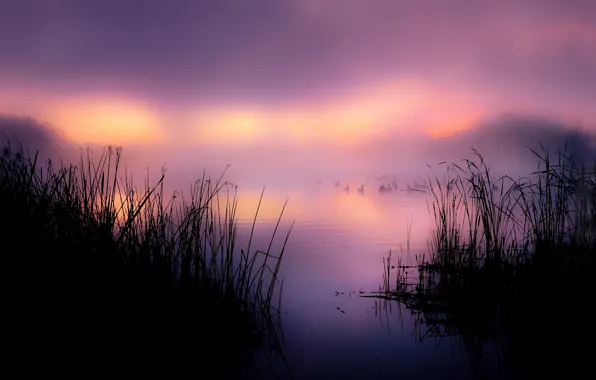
x=509, y=259
x=121, y=265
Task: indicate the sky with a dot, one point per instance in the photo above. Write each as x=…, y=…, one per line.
x=288, y=77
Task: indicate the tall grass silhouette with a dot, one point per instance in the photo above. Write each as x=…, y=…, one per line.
x=510, y=261
x=97, y=262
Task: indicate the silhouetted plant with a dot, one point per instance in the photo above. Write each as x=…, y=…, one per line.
x=97, y=259
x=501, y=252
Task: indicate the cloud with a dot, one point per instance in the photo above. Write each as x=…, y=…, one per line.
x=125, y=72
x=274, y=51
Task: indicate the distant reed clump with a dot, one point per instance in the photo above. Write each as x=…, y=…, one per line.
x=94, y=262
x=510, y=257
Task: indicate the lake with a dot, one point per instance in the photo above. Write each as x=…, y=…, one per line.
x=335, y=251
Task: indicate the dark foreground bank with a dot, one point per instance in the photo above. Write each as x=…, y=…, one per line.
x=101, y=275
x=512, y=266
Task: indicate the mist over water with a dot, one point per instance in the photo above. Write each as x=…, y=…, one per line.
x=344, y=226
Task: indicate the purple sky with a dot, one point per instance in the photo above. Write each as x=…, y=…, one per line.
x=310, y=70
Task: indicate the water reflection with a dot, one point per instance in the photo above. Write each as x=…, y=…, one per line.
x=338, y=240
x=335, y=256
x=334, y=253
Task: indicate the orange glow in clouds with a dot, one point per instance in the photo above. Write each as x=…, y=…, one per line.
x=399, y=107
x=105, y=121
x=449, y=126
x=229, y=125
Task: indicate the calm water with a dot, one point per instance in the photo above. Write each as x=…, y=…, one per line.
x=337, y=246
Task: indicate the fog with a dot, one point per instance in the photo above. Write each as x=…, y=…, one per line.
x=503, y=140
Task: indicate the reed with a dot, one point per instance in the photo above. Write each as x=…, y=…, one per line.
x=511, y=260
x=98, y=261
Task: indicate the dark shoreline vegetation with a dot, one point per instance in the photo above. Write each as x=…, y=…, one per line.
x=512, y=266
x=111, y=275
